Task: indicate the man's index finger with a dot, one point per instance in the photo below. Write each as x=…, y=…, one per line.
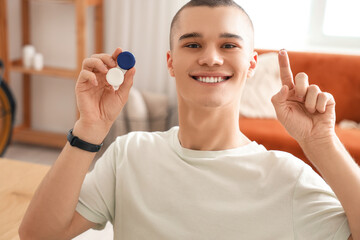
x=285, y=70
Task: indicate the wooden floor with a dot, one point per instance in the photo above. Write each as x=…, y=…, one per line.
x=34, y=154
x=48, y=156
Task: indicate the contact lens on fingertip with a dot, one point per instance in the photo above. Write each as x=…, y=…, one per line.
x=115, y=76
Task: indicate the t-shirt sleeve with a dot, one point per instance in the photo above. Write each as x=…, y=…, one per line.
x=97, y=196
x=317, y=213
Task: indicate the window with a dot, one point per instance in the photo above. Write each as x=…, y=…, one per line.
x=342, y=18
x=279, y=23
x=324, y=25
x=335, y=24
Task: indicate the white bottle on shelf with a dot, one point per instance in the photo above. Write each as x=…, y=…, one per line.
x=28, y=55
x=38, y=61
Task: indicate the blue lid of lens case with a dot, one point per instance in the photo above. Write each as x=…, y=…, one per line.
x=126, y=60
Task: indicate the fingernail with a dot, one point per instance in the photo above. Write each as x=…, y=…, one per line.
x=282, y=52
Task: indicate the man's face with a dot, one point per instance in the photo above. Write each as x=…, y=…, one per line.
x=211, y=44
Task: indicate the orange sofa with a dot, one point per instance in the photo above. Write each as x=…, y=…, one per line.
x=333, y=73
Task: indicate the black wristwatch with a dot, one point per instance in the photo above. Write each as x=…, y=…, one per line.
x=77, y=142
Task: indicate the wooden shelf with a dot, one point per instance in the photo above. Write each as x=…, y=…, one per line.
x=40, y=138
x=17, y=66
x=25, y=133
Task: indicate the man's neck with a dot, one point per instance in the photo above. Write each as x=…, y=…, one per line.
x=210, y=129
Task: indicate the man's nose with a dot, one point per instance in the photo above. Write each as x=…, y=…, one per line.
x=211, y=57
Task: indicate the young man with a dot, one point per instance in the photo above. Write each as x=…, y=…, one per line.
x=203, y=179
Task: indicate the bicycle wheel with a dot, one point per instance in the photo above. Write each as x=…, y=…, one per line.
x=7, y=111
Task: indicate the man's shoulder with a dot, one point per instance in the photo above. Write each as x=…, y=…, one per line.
x=281, y=157
x=283, y=162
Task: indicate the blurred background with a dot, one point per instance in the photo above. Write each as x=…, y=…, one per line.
x=142, y=27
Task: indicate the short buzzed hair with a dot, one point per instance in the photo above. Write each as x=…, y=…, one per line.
x=207, y=3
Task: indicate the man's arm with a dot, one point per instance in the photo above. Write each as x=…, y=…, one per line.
x=51, y=213
x=308, y=114
x=341, y=173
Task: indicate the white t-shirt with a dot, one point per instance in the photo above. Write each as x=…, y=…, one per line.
x=150, y=187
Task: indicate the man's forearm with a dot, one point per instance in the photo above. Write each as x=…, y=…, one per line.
x=342, y=174
x=53, y=205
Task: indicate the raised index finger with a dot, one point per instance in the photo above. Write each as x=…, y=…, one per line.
x=285, y=70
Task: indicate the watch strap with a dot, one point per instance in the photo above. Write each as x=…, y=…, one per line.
x=77, y=142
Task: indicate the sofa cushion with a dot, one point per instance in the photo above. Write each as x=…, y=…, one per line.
x=158, y=107
x=351, y=139
x=258, y=90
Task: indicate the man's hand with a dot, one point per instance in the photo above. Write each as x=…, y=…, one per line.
x=52, y=211
x=98, y=103
x=307, y=113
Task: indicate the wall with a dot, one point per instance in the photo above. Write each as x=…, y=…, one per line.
x=53, y=34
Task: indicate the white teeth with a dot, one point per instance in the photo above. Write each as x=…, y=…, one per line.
x=210, y=79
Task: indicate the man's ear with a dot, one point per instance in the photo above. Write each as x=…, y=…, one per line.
x=170, y=64
x=253, y=63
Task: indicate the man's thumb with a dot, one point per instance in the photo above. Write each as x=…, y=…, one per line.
x=125, y=87
x=281, y=96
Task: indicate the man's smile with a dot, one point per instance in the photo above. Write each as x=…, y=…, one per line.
x=207, y=77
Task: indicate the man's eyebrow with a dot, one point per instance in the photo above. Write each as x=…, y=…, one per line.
x=190, y=35
x=231, y=35
x=199, y=35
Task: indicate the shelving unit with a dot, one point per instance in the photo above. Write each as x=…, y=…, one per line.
x=24, y=133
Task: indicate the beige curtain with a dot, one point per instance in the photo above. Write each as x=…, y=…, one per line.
x=142, y=27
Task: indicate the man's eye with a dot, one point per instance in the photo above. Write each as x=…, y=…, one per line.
x=192, y=45
x=228, y=45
